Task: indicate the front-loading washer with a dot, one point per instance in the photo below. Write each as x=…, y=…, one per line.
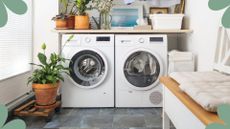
x=140, y=61
x=91, y=64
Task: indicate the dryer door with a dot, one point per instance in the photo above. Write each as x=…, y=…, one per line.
x=142, y=69
x=88, y=68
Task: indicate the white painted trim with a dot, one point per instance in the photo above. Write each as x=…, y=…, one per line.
x=222, y=56
x=178, y=113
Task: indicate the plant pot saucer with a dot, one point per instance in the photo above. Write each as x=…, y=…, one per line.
x=46, y=106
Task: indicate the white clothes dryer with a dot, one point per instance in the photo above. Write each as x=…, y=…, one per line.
x=91, y=81
x=140, y=61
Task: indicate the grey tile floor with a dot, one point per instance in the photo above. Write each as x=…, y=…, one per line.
x=104, y=118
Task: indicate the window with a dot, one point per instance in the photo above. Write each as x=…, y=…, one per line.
x=16, y=44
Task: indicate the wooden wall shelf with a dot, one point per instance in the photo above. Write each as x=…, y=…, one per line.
x=124, y=31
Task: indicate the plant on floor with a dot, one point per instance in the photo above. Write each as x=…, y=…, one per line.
x=45, y=79
x=49, y=72
x=223, y=112
x=219, y=5
x=81, y=18
x=14, y=124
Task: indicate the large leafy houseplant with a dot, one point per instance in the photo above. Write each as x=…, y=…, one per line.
x=45, y=79
x=82, y=18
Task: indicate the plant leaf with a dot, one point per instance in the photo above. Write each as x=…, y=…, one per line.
x=3, y=15
x=223, y=113
x=216, y=126
x=15, y=124
x=70, y=38
x=37, y=65
x=3, y=115
x=42, y=58
x=16, y=6
x=43, y=81
x=218, y=4
x=226, y=18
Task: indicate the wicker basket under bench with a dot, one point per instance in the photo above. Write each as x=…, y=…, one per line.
x=182, y=110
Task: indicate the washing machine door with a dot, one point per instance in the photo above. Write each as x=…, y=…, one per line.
x=142, y=69
x=88, y=68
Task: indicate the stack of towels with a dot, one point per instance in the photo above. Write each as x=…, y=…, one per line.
x=181, y=61
x=209, y=89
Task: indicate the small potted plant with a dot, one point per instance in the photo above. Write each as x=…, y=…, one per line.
x=82, y=18
x=64, y=20
x=46, y=78
x=61, y=21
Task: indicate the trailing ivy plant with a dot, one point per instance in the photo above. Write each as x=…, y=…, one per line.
x=49, y=71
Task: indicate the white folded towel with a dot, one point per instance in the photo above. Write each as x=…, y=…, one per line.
x=180, y=56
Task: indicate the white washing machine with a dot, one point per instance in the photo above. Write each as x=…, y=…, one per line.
x=92, y=71
x=140, y=61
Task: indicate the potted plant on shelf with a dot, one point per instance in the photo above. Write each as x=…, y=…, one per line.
x=64, y=20
x=61, y=21
x=82, y=18
x=46, y=78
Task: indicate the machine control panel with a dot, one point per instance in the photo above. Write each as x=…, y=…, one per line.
x=156, y=39
x=103, y=39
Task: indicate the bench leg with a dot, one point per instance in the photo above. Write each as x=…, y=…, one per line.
x=166, y=121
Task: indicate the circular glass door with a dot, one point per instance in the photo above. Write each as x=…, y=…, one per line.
x=87, y=69
x=142, y=70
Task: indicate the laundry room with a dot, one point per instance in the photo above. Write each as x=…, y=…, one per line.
x=114, y=64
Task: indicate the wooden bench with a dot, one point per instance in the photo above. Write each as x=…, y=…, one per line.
x=182, y=110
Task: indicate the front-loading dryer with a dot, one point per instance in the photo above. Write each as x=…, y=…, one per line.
x=91, y=64
x=140, y=61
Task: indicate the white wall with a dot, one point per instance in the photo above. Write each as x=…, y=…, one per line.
x=44, y=10
x=13, y=87
x=204, y=22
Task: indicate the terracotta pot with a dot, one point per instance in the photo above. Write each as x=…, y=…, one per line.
x=45, y=94
x=82, y=22
x=61, y=24
x=71, y=22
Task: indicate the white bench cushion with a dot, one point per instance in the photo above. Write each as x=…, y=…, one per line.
x=209, y=89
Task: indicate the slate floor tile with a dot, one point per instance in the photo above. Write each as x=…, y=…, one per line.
x=121, y=111
x=153, y=121
x=107, y=111
x=145, y=111
x=97, y=121
x=100, y=118
x=126, y=121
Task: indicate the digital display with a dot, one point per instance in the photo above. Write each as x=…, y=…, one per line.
x=156, y=39
x=103, y=39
